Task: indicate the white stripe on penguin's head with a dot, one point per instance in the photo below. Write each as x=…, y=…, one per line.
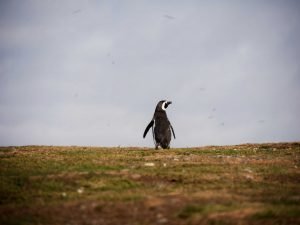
x=164, y=105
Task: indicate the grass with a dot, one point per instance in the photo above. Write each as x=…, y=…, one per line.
x=243, y=184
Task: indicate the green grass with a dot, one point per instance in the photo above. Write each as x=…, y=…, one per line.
x=246, y=184
x=204, y=209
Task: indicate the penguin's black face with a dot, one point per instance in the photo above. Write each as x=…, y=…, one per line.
x=163, y=105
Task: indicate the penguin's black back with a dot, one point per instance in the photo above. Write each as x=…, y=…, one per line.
x=162, y=132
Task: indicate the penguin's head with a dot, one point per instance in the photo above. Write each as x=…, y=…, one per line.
x=163, y=105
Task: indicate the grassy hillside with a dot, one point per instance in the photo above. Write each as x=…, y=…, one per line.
x=244, y=184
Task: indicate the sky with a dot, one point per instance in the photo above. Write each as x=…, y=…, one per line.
x=90, y=73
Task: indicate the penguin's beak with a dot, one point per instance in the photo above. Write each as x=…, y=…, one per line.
x=168, y=103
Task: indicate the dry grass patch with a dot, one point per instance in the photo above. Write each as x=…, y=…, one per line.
x=242, y=184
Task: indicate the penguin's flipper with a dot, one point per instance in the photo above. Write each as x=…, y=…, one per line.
x=173, y=131
x=148, y=127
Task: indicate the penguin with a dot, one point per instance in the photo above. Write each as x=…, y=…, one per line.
x=161, y=126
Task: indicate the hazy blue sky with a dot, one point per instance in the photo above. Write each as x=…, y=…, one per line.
x=91, y=72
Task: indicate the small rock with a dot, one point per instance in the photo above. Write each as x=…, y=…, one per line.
x=64, y=194
x=165, y=164
x=80, y=190
x=248, y=170
x=161, y=218
x=150, y=164
x=136, y=176
x=249, y=177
